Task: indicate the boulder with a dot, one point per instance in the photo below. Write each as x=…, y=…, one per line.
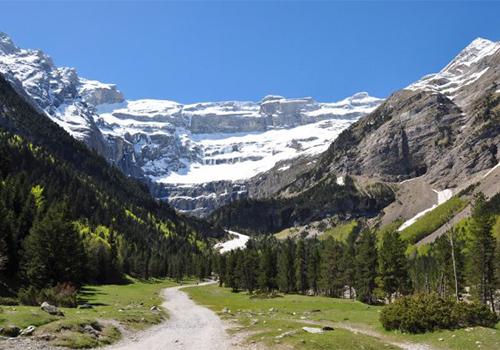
x=51, y=309
x=314, y=330
x=85, y=306
x=28, y=331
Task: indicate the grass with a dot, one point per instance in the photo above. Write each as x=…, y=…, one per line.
x=266, y=318
x=341, y=231
x=433, y=220
x=127, y=305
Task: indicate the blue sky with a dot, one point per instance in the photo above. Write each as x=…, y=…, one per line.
x=203, y=51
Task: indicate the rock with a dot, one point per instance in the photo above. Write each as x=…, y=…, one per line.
x=10, y=331
x=51, y=309
x=286, y=334
x=155, y=309
x=226, y=311
x=28, y=331
x=272, y=309
x=45, y=337
x=314, y=330
x=91, y=330
x=85, y=306
x=327, y=328
x=441, y=339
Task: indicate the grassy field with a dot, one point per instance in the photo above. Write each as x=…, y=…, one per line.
x=356, y=324
x=341, y=231
x=114, y=306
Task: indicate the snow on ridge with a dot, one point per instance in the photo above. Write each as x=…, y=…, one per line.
x=463, y=70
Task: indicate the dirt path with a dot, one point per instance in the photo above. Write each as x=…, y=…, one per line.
x=190, y=326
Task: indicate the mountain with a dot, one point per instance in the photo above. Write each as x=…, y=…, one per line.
x=50, y=182
x=441, y=132
x=197, y=156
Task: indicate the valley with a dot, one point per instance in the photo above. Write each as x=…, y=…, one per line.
x=278, y=223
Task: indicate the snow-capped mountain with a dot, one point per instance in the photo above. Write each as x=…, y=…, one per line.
x=173, y=144
x=203, y=142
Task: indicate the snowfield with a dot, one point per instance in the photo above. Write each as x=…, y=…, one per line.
x=239, y=242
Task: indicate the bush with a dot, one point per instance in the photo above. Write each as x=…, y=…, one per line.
x=422, y=313
x=8, y=301
x=64, y=295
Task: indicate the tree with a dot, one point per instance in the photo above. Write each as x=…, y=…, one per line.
x=249, y=264
x=313, y=265
x=301, y=266
x=286, y=271
x=449, y=263
x=481, y=268
x=267, y=268
x=393, y=266
x=366, y=267
x=53, y=251
x=348, y=262
x=331, y=273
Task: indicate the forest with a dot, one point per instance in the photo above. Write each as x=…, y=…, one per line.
x=379, y=267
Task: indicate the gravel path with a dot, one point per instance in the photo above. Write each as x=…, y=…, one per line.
x=189, y=326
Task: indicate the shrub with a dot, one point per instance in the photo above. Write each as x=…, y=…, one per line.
x=428, y=312
x=8, y=301
x=63, y=294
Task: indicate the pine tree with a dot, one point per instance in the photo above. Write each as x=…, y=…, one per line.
x=286, y=271
x=301, y=266
x=348, y=265
x=366, y=267
x=267, y=268
x=331, y=273
x=482, y=253
x=393, y=266
x=250, y=260
x=53, y=251
x=313, y=265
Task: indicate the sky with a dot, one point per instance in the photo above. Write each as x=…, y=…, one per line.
x=210, y=51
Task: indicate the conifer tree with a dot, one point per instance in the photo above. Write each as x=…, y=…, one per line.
x=267, y=268
x=348, y=262
x=313, y=265
x=331, y=273
x=393, y=266
x=249, y=265
x=366, y=267
x=286, y=263
x=53, y=251
x=481, y=267
x=301, y=266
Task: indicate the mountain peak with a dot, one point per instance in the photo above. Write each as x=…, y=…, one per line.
x=7, y=46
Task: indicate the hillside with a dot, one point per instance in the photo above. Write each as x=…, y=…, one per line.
x=51, y=183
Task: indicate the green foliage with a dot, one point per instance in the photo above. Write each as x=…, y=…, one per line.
x=393, y=266
x=341, y=231
x=481, y=263
x=366, y=267
x=433, y=220
x=421, y=313
x=64, y=295
x=45, y=173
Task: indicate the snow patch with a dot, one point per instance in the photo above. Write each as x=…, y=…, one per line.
x=236, y=243
x=340, y=181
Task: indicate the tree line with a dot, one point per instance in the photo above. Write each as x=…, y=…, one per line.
x=374, y=266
